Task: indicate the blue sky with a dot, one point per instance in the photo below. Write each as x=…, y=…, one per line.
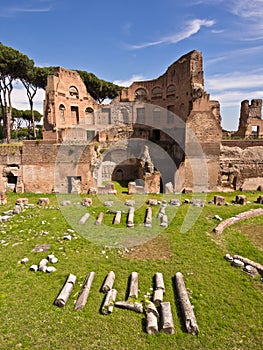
x=123, y=41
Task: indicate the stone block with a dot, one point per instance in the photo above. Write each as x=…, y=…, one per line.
x=43, y=201
x=152, y=202
x=87, y=202
x=3, y=198
x=241, y=199
x=219, y=200
x=22, y=201
x=134, y=189
x=65, y=203
x=260, y=200
x=92, y=190
x=176, y=202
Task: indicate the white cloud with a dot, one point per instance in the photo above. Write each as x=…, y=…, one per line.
x=247, y=9
x=236, y=53
x=191, y=28
x=236, y=80
x=129, y=81
x=10, y=11
x=232, y=88
x=234, y=98
x=20, y=99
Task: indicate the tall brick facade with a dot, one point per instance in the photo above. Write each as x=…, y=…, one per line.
x=86, y=143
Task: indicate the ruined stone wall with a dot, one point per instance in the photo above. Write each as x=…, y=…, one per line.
x=241, y=168
x=49, y=167
x=250, y=121
x=175, y=89
x=203, y=147
x=67, y=103
x=10, y=167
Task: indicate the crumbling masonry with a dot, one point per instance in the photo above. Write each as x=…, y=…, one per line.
x=158, y=132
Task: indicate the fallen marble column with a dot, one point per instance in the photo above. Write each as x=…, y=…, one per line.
x=130, y=220
x=167, y=324
x=83, y=219
x=148, y=217
x=83, y=295
x=186, y=307
x=66, y=290
x=109, y=301
x=117, y=218
x=99, y=218
x=107, y=285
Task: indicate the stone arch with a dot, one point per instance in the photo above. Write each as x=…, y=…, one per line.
x=73, y=91
x=171, y=89
x=89, y=116
x=127, y=170
x=140, y=94
x=157, y=91
x=62, y=109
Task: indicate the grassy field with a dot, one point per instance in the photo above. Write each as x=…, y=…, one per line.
x=227, y=303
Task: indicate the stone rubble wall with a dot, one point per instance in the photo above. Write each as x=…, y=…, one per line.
x=241, y=168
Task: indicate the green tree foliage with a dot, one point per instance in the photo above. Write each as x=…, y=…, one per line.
x=13, y=65
x=99, y=89
x=24, y=124
x=34, y=78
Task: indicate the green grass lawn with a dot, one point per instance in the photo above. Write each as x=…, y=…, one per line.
x=227, y=303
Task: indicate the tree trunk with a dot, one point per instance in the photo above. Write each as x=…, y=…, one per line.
x=133, y=292
x=186, y=307
x=33, y=118
x=130, y=221
x=9, y=114
x=167, y=324
x=83, y=295
x=107, y=285
x=108, y=304
x=66, y=290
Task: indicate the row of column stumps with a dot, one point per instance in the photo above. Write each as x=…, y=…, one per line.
x=166, y=323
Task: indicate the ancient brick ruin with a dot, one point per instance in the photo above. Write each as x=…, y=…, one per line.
x=157, y=134
x=250, y=122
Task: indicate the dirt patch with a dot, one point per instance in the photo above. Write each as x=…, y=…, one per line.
x=156, y=248
x=254, y=232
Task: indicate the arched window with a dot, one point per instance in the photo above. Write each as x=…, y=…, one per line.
x=89, y=110
x=171, y=89
x=73, y=91
x=62, y=109
x=157, y=91
x=140, y=94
